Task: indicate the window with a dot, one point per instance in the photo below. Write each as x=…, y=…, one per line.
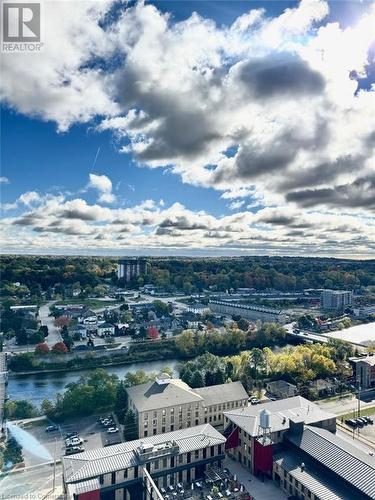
x=212, y=451
x=135, y=472
x=163, y=429
x=101, y=479
x=113, y=478
x=196, y=406
x=164, y=463
x=172, y=419
x=188, y=457
x=163, y=413
x=155, y=414
x=180, y=459
x=145, y=434
x=172, y=411
x=196, y=454
x=172, y=428
x=126, y=474
x=180, y=409
x=145, y=416
x=156, y=464
x=154, y=423
x=145, y=425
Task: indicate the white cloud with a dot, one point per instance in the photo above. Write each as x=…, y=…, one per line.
x=29, y=198
x=4, y=180
x=103, y=184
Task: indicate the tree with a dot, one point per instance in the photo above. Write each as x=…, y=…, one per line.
x=47, y=407
x=13, y=452
x=122, y=400
x=130, y=426
x=243, y=324
x=136, y=378
x=257, y=359
x=44, y=330
x=22, y=337
x=61, y=321
x=59, y=348
x=197, y=380
x=14, y=410
x=185, y=342
x=42, y=348
x=69, y=342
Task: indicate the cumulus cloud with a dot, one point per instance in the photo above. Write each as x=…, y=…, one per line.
x=103, y=184
x=29, y=198
x=4, y=180
x=269, y=111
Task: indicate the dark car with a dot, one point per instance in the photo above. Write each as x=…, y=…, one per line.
x=71, y=435
x=73, y=450
x=369, y=420
x=52, y=428
x=82, y=348
x=351, y=423
x=100, y=347
x=359, y=422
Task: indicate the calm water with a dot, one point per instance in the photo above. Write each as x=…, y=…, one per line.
x=36, y=388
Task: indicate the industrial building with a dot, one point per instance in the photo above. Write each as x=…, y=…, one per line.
x=248, y=311
x=336, y=300
x=293, y=442
x=131, y=268
x=168, y=404
x=127, y=471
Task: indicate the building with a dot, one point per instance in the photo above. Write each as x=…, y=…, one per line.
x=364, y=370
x=364, y=311
x=169, y=404
x=106, y=330
x=198, y=309
x=131, y=268
x=336, y=300
x=248, y=311
x=244, y=428
x=317, y=464
x=282, y=389
x=122, y=471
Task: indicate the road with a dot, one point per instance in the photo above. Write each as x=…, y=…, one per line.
x=348, y=403
x=53, y=333
x=33, y=482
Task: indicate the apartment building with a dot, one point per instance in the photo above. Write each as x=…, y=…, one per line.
x=120, y=472
x=168, y=404
x=336, y=300
x=131, y=268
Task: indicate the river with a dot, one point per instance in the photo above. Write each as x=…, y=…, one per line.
x=36, y=388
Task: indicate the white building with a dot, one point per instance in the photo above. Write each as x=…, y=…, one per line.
x=248, y=311
x=336, y=299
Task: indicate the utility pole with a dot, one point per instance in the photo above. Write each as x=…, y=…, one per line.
x=54, y=466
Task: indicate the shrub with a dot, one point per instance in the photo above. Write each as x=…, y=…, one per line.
x=60, y=348
x=42, y=348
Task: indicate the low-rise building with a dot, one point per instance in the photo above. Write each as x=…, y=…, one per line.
x=364, y=370
x=245, y=426
x=120, y=471
x=282, y=389
x=106, y=330
x=248, y=311
x=168, y=404
x=198, y=309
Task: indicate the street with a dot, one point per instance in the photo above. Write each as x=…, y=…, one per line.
x=349, y=403
x=53, y=333
x=33, y=482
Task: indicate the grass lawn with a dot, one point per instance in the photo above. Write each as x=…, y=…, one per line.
x=92, y=303
x=365, y=412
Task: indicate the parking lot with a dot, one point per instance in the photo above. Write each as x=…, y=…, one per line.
x=366, y=433
x=88, y=429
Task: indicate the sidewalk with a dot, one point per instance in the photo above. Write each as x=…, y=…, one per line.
x=259, y=490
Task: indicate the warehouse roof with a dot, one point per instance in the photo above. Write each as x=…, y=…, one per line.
x=297, y=409
x=91, y=464
x=153, y=395
x=222, y=393
x=314, y=478
x=345, y=460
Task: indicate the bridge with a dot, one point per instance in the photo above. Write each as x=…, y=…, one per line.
x=307, y=336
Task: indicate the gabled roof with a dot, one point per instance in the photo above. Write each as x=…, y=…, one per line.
x=222, y=393
x=345, y=460
x=297, y=409
x=152, y=396
x=91, y=464
x=106, y=325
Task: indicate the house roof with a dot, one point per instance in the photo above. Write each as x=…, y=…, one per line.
x=222, y=393
x=153, y=396
x=345, y=460
x=105, y=325
x=297, y=409
x=280, y=384
x=313, y=477
x=91, y=464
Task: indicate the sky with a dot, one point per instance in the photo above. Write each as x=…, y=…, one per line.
x=192, y=128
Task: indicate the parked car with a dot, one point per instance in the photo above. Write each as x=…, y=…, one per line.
x=100, y=347
x=70, y=435
x=363, y=420
x=351, y=423
x=112, y=430
x=82, y=348
x=52, y=428
x=359, y=422
x=75, y=441
x=73, y=450
x=369, y=420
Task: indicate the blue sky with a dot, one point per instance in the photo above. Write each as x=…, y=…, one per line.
x=199, y=197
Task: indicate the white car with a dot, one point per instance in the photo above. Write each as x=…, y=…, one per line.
x=112, y=430
x=76, y=441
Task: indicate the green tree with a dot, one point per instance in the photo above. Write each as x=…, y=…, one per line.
x=196, y=380
x=257, y=359
x=121, y=403
x=130, y=426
